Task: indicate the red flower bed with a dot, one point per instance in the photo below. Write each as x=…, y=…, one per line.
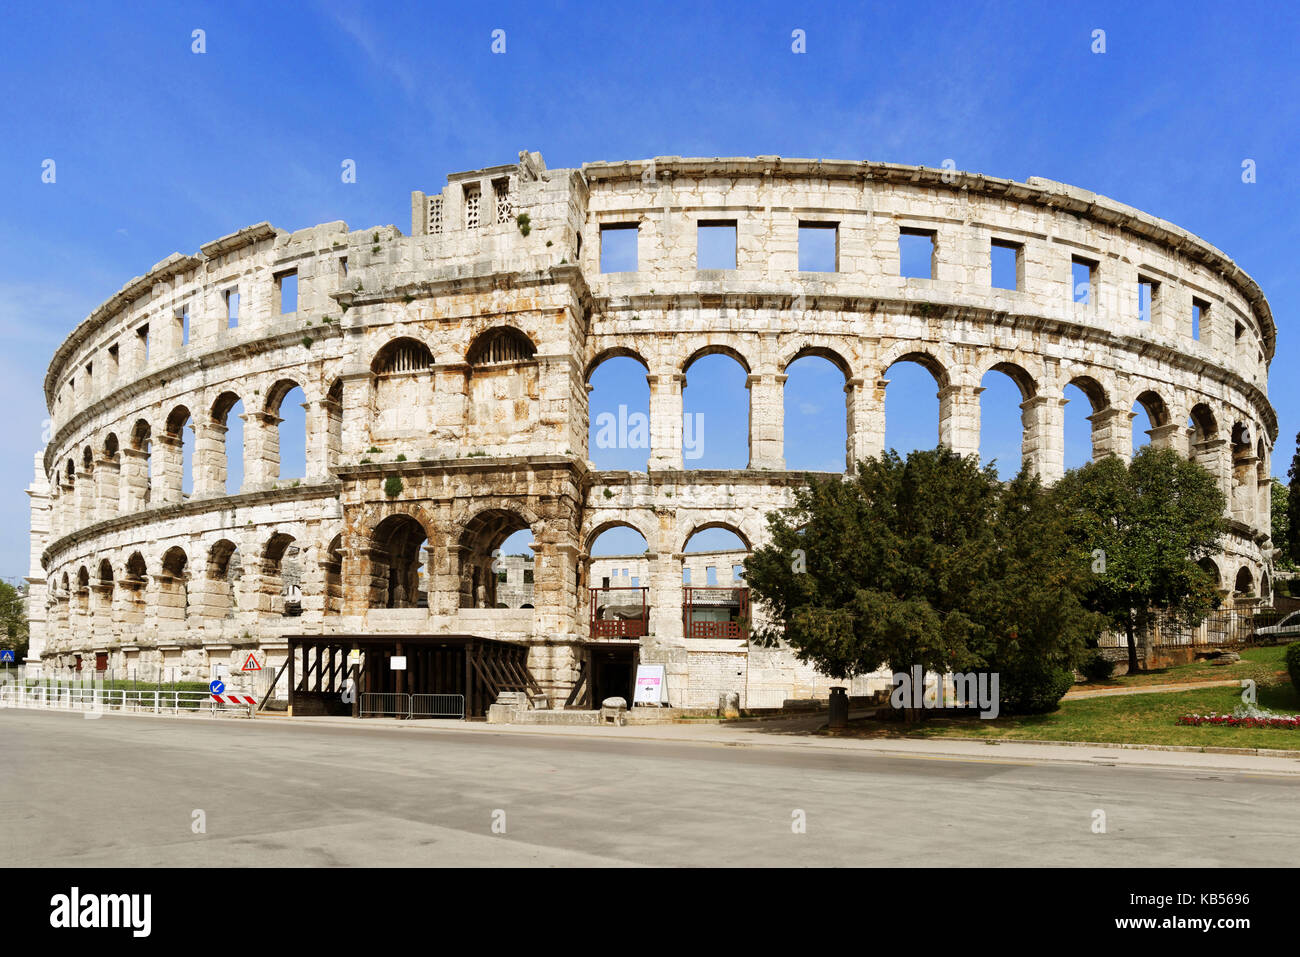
x=1292, y=722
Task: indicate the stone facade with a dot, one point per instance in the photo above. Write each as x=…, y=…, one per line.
x=446, y=380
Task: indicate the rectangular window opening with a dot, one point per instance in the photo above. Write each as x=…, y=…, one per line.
x=113, y=362
x=916, y=250
x=286, y=287
x=1083, y=280
x=819, y=247
x=715, y=246
x=505, y=209
x=232, y=307
x=737, y=573
x=711, y=576
x=1007, y=264
x=618, y=247
x=1148, y=290
x=686, y=576
x=1199, y=309
x=142, y=337
x=473, y=198
x=1239, y=332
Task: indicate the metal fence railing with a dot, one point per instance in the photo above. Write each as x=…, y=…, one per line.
x=438, y=706
x=55, y=696
x=385, y=704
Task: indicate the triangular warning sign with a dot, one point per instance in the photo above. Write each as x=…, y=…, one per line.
x=251, y=664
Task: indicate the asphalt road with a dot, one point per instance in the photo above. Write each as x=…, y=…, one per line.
x=123, y=791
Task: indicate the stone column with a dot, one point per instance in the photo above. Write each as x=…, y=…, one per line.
x=1169, y=437
x=1213, y=455
x=1043, y=443
x=169, y=450
x=959, y=418
x=1112, y=434
x=866, y=419
x=70, y=514
x=101, y=612
x=261, y=450
x=555, y=589
x=666, y=596
x=356, y=414
x=85, y=497
x=134, y=481
x=210, y=459
x=107, y=492
x=666, y=420
x=1244, y=488
x=322, y=439
x=766, y=421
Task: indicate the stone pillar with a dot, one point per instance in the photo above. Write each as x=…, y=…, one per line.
x=866, y=420
x=1112, y=434
x=133, y=487
x=1212, y=454
x=356, y=414
x=87, y=498
x=70, y=513
x=1043, y=442
x=959, y=418
x=170, y=454
x=101, y=612
x=261, y=450
x=107, y=492
x=666, y=420
x=1169, y=437
x=666, y=596
x=322, y=439
x=1244, y=488
x=210, y=459
x=766, y=421
x=555, y=589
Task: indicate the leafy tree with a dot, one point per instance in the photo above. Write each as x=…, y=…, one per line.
x=1147, y=524
x=13, y=619
x=1292, y=545
x=928, y=561
x=1280, y=502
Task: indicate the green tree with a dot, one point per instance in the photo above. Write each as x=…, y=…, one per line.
x=1280, y=515
x=13, y=620
x=1292, y=544
x=1146, y=524
x=928, y=561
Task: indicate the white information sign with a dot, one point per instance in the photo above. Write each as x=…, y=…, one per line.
x=397, y=663
x=651, y=686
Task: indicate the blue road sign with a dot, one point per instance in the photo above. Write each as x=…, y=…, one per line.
x=217, y=686
x=6, y=655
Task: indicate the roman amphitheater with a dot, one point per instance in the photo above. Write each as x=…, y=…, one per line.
x=445, y=378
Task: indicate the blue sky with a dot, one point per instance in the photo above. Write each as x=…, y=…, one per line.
x=159, y=149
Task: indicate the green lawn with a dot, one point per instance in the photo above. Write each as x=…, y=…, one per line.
x=1135, y=719
x=1265, y=665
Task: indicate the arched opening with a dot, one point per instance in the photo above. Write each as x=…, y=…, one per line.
x=108, y=478
x=816, y=419
x=715, y=599
x=402, y=391
x=135, y=579
x=173, y=587
x=618, y=410
x=333, y=574
x=1150, y=406
x=1005, y=426
x=1244, y=587
x=396, y=549
x=1085, y=399
x=715, y=403
x=1245, y=485
x=143, y=481
x=619, y=573
x=1265, y=587
x=179, y=445
x=503, y=389
x=1211, y=569
x=228, y=421
x=223, y=573
x=82, y=597
x=488, y=541
x=286, y=405
x=281, y=583
x=912, y=404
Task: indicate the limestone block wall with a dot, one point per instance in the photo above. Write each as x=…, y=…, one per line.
x=445, y=378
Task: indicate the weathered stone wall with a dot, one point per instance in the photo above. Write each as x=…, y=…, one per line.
x=445, y=377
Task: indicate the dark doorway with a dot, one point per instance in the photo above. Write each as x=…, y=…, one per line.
x=613, y=672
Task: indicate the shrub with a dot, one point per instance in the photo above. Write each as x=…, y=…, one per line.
x=1293, y=664
x=1097, y=667
x=393, y=486
x=1034, y=688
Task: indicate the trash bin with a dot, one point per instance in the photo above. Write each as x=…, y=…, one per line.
x=839, y=708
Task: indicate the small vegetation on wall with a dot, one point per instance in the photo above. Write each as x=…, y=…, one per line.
x=524, y=224
x=392, y=486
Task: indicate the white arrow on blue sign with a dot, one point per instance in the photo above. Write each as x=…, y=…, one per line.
x=217, y=687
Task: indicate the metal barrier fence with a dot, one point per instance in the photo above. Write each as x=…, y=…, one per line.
x=438, y=706
x=60, y=697
x=381, y=704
